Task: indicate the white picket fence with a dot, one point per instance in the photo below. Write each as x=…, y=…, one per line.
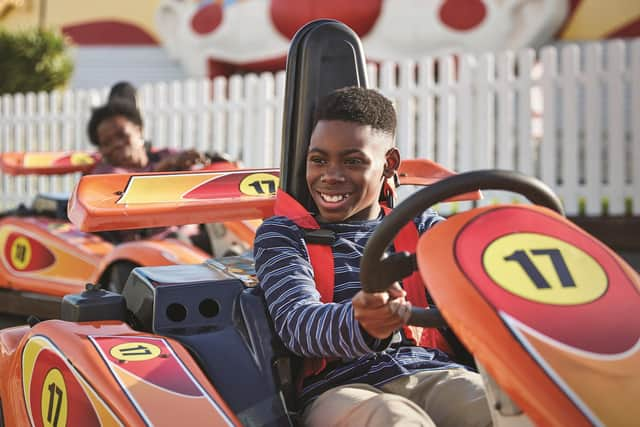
x=569, y=115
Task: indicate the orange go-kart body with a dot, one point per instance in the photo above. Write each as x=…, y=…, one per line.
x=549, y=311
x=44, y=257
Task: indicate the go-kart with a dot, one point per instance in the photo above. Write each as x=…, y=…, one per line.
x=549, y=313
x=45, y=257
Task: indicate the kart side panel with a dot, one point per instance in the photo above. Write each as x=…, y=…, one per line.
x=557, y=309
x=103, y=374
x=47, y=256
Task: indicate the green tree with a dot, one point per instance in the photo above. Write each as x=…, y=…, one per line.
x=33, y=60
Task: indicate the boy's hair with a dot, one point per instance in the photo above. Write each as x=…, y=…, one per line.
x=108, y=111
x=358, y=105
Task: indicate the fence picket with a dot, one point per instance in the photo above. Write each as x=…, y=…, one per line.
x=485, y=118
x=202, y=115
x=248, y=150
x=426, y=109
x=278, y=112
x=7, y=145
x=569, y=148
x=593, y=129
x=234, y=128
x=616, y=146
x=548, y=157
x=189, y=138
x=446, y=153
x=505, y=141
x=160, y=128
x=634, y=187
x=405, y=107
x=218, y=108
x=465, y=111
x=42, y=122
x=175, y=123
x=526, y=160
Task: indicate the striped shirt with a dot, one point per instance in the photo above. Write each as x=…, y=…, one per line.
x=311, y=328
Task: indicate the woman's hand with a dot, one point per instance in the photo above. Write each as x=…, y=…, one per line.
x=183, y=160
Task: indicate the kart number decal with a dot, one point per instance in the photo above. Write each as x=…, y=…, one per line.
x=54, y=404
x=544, y=269
x=20, y=253
x=161, y=387
x=135, y=351
x=55, y=394
x=26, y=254
x=80, y=158
x=550, y=276
x=259, y=184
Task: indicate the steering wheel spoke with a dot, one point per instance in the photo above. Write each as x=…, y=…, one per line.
x=393, y=268
x=426, y=317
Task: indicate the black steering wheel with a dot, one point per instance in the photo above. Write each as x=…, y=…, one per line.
x=377, y=274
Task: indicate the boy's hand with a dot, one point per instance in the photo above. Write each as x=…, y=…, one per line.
x=381, y=313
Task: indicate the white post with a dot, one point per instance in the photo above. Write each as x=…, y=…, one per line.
x=635, y=127
x=616, y=59
x=484, y=118
x=426, y=109
x=548, y=155
x=570, y=154
x=218, y=108
x=593, y=129
x=235, y=118
x=203, y=115
x=176, y=114
x=445, y=150
x=525, y=160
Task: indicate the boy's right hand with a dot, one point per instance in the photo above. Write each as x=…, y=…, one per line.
x=381, y=313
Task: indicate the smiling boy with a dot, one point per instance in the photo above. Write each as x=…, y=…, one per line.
x=366, y=370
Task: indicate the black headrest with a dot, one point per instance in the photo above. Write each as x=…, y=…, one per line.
x=324, y=55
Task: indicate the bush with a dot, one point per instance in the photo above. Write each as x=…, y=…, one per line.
x=33, y=60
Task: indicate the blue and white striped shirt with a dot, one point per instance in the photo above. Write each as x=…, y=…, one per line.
x=311, y=328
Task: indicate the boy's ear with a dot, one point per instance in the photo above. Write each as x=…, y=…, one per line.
x=392, y=162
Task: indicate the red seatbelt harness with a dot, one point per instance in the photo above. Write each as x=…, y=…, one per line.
x=321, y=258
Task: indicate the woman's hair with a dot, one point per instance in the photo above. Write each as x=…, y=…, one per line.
x=123, y=92
x=117, y=107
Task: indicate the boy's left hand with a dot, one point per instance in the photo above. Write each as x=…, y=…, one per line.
x=381, y=313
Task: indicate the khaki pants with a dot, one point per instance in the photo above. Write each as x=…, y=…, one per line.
x=451, y=397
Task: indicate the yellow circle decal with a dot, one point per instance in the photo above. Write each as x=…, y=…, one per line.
x=53, y=403
x=259, y=184
x=544, y=269
x=135, y=351
x=81, y=158
x=20, y=253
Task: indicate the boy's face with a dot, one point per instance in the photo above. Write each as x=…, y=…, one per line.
x=346, y=167
x=121, y=143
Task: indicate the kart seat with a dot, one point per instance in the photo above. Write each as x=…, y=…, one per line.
x=324, y=55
